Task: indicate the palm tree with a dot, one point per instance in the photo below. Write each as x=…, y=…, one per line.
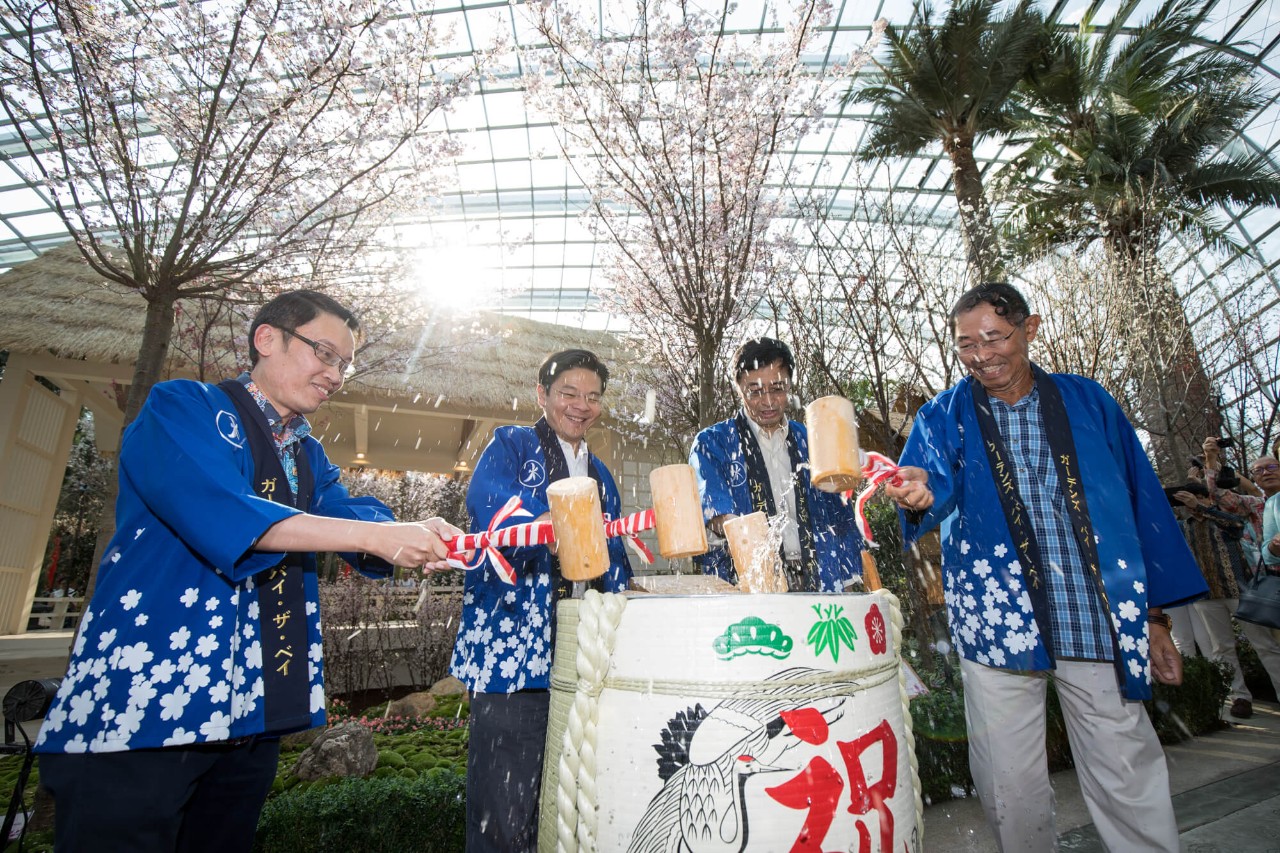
x=1136, y=138
x=951, y=84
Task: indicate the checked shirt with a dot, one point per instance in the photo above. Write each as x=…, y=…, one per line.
x=1079, y=620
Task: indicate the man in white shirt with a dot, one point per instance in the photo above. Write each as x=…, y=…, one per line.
x=758, y=461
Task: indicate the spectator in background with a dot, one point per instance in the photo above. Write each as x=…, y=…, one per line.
x=1234, y=494
x=1249, y=499
x=1215, y=537
x=1266, y=473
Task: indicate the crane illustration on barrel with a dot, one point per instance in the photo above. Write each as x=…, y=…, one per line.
x=708, y=757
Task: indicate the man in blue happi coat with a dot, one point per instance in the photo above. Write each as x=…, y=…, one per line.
x=202, y=644
x=506, y=635
x=1059, y=554
x=758, y=461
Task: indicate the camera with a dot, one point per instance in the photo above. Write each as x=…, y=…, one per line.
x=1226, y=441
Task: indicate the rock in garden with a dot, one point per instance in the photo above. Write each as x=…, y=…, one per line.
x=413, y=705
x=448, y=686
x=345, y=750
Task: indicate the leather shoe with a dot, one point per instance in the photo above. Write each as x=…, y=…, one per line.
x=1242, y=709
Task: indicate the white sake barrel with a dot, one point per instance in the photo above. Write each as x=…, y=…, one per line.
x=727, y=722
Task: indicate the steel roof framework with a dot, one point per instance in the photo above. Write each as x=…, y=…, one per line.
x=513, y=215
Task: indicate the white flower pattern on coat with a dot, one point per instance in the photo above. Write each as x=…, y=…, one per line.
x=1003, y=623
x=170, y=679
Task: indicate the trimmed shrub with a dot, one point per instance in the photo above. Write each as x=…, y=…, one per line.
x=942, y=746
x=1195, y=706
x=380, y=815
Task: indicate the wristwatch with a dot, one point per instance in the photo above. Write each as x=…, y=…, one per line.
x=1161, y=619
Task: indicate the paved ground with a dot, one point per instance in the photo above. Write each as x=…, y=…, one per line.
x=1226, y=785
x=1226, y=789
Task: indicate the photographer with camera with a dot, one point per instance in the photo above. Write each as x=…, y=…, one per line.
x=1228, y=552
x=1235, y=494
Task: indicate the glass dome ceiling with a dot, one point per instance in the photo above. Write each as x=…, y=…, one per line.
x=510, y=224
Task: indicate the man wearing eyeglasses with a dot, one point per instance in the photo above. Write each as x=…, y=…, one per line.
x=201, y=644
x=1059, y=553
x=758, y=461
x=1266, y=474
x=506, y=634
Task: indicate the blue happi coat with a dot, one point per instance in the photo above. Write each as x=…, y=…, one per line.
x=506, y=634
x=1144, y=559
x=168, y=649
x=721, y=474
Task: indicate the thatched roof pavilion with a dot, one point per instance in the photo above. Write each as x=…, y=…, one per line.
x=428, y=394
x=425, y=397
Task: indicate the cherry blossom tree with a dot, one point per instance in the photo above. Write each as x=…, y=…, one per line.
x=675, y=124
x=198, y=149
x=217, y=150
x=868, y=318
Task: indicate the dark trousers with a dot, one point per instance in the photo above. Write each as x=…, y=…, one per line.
x=184, y=798
x=504, y=770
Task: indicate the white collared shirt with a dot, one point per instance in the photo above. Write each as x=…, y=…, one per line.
x=577, y=462
x=777, y=461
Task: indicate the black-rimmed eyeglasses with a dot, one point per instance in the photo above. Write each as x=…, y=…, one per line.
x=989, y=343
x=327, y=354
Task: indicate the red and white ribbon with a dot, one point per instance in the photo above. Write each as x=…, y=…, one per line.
x=876, y=470
x=486, y=544
x=631, y=526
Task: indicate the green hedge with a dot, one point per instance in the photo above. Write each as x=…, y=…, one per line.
x=942, y=748
x=1195, y=706
x=387, y=814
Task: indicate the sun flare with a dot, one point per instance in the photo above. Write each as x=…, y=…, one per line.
x=459, y=278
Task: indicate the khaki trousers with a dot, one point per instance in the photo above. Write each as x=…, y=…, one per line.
x=1119, y=760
